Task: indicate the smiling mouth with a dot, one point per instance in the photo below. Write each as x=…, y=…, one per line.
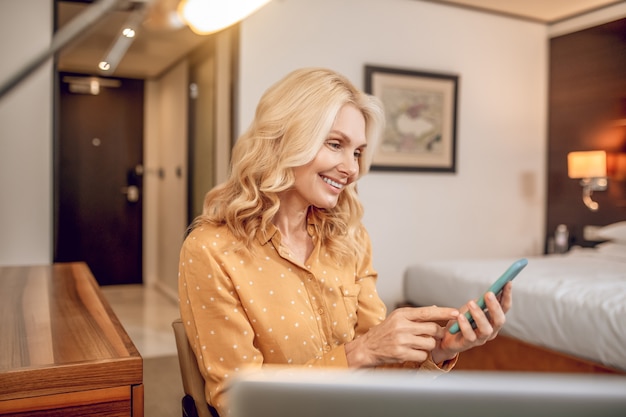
x=333, y=183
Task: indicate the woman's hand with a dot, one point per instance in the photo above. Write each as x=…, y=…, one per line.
x=488, y=324
x=407, y=334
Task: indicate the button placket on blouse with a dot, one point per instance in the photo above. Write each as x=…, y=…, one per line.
x=314, y=288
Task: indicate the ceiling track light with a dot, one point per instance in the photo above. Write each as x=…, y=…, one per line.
x=120, y=45
x=65, y=35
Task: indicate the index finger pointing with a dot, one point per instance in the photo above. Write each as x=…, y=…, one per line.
x=431, y=313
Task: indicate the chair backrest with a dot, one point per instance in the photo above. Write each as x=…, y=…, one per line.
x=193, y=382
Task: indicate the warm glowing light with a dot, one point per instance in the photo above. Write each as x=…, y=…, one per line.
x=94, y=87
x=128, y=32
x=589, y=164
x=104, y=66
x=208, y=16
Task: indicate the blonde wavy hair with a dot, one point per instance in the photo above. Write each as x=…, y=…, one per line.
x=293, y=119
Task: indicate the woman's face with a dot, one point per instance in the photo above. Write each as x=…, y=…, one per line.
x=336, y=165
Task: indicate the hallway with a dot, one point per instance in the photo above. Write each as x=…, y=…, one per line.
x=147, y=314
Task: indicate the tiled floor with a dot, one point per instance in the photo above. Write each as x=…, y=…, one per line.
x=147, y=315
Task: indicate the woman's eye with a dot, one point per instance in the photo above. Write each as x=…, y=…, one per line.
x=358, y=154
x=334, y=145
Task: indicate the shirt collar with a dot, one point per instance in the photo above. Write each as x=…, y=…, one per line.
x=265, y=235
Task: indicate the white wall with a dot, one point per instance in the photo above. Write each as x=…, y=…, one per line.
x=25, y=136
x=494, y=205
x=165, y=148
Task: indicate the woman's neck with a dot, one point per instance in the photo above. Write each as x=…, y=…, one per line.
x=292, y=224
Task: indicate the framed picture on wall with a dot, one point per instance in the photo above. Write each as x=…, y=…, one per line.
x=421, y=112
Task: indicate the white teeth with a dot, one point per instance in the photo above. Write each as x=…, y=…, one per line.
x=333, y=183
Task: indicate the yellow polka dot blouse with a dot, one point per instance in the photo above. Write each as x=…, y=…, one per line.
x=242, y=311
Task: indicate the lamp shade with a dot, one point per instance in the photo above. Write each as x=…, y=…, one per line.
x=587, y=164
x=208, y=16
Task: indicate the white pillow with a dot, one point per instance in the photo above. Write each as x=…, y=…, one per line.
x=611, y=250
x=615, y=232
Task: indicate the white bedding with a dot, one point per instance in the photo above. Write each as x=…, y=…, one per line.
x=573, y=303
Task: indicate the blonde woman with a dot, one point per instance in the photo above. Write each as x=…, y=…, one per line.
x=278, y=268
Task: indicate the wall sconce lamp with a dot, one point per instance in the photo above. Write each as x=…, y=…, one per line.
x=590, y=167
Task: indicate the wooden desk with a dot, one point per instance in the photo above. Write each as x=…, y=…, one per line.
x=63, y=352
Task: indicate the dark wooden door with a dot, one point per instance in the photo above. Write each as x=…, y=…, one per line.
x=99, y=162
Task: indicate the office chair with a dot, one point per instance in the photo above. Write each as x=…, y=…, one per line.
x=194, y=402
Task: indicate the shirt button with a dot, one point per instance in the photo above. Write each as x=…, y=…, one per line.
x=321, y=311
x=327, y=348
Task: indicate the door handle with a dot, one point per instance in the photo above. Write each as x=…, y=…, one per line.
x=132, y=193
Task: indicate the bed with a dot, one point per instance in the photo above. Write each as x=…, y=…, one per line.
x=569, y=310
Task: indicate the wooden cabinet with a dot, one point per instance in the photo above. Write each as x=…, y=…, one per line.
x=63, y=352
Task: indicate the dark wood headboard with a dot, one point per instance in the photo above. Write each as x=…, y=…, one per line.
x=587, y=89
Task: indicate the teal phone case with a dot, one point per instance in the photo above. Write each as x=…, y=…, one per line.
x=496, y=287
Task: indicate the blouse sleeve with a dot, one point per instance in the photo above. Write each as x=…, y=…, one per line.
x=207, y=302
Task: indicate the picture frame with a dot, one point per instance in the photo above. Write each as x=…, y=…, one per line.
x=421, y=119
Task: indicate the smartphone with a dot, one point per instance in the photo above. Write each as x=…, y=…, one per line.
x=496, y=288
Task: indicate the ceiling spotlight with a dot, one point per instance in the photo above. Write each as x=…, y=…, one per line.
x=128, y=32
x=121, y=44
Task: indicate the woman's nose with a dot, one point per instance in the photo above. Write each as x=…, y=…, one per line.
x=350, y=165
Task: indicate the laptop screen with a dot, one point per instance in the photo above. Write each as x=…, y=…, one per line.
x=285, y=392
